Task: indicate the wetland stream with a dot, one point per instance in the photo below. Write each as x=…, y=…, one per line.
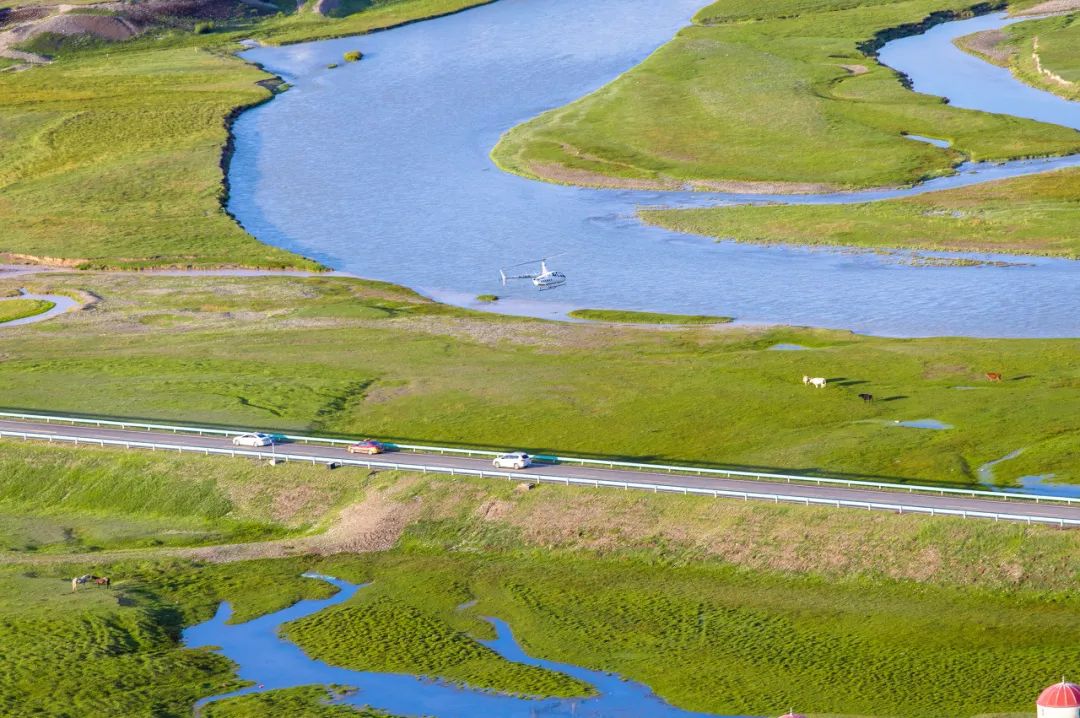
x=271, y=662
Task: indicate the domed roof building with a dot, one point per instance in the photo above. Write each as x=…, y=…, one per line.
x=1061, y=700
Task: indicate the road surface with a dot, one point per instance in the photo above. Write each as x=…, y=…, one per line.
x=1021, y=509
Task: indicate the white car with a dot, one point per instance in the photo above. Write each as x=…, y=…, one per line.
x=513, y=460
x=253, y=439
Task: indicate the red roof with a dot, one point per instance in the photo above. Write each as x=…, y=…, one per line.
x=1060, y=695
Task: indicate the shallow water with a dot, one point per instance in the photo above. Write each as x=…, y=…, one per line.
x=272, y=662
x=381, y=168
x=788, y=348
x=933, y=424
x=930, y=140
x=62, y=304
x=1032, y=484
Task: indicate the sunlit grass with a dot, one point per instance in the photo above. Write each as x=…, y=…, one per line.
x=770, y=94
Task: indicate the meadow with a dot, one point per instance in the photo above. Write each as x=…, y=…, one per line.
x=13, y=309
x=56, y=500
x=113, y=155
x=1025, y=215
x=1052, y=41
x=774, y=97
x=341, y=356
x=623, y=316
x=720, y=606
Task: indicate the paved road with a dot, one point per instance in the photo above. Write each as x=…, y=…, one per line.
x=1020, y=508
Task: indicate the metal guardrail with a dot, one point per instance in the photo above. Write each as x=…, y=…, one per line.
x=545, y=478
x=599, y=463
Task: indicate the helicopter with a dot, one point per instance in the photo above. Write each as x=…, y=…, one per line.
x=546, y=279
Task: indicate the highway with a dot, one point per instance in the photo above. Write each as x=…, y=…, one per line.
x=1016, y=509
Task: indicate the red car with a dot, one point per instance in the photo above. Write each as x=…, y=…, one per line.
x=367, y=446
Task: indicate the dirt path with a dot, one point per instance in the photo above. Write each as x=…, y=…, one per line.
x=1051, y=7
x=374, y=524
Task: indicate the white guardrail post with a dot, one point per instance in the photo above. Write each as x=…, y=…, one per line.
x=603, y=463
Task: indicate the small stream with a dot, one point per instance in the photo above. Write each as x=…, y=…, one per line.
x=61, y=304
x=381, y=168
x=1036, y=484
x=271, y=662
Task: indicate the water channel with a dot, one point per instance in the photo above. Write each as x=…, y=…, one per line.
x=271, y=662
x=381, y=168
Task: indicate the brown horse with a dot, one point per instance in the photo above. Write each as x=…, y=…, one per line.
x=993, y=376
x=90, y=578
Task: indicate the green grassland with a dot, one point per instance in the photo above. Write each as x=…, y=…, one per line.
x=774, y=94
x=66, y=499
x=13, y=309
x=1024, y=215
x=622, y=316
x=356, y=635
x=112, y=155
x=718, y=605
x=337, y=355
x=1052, y=40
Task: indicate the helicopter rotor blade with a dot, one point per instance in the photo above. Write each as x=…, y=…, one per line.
x=535, y=261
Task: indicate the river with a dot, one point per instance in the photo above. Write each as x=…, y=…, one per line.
x=270, y=662
x=380, y=168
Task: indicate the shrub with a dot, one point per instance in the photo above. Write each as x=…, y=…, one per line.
x=487, y=298
x=353, y=55
x=202, y=28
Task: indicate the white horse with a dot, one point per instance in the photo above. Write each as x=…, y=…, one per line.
x=817, y=382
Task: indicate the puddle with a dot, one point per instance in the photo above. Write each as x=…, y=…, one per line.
x=1030, y=484
x=933, y=424
x=944, y=144
x=986, y=471
x=1038, y=484
x=272, y=662
x=62, y=304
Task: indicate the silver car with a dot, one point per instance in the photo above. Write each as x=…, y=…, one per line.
x=253, y=439
x=513, y=460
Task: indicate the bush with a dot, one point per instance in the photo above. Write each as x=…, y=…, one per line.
x=353, y=56
x=202, y=28
x=331, y=66
x=487, y=298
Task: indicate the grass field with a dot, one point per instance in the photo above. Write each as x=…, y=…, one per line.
x=331, y=354
x=13, y=309
x=1025, y=215
x=63, y=499
x=112, y=155
x=778, y=96
x=720, y=606
x=622, y=316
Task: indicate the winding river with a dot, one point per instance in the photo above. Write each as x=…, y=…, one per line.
x=380, y=168
x=271, y=662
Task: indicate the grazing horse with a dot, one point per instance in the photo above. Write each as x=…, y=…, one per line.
x=867, y=397
x=90, y=578
x=817, y=382
x=993, y=376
